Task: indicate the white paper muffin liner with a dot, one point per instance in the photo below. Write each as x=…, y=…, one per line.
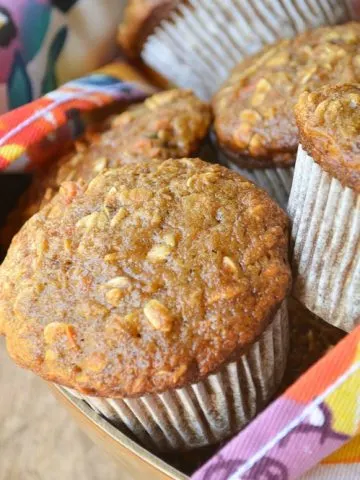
x=210, y=410
x=201, y=42
x=276, y=181
x=326, y=244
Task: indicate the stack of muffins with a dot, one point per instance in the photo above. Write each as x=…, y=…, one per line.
x=154, y=286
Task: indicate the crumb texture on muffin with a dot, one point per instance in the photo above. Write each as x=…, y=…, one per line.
x=329, y=128
x=150, y=277
x=254, y=109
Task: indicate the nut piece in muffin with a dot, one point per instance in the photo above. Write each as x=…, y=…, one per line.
x=254, y=120
x=170, y=124
x=147, y=279
x=325, y=204
x=141, y=17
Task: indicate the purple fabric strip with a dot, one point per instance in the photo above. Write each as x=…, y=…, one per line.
x=301, y=447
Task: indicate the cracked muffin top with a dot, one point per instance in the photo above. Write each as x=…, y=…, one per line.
x=149, y=278
x=329, y=129
x=254, y=109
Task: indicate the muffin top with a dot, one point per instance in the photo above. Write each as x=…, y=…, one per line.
x=141, y=17
x=150, y=277
x=254, y=109
x=329, y=129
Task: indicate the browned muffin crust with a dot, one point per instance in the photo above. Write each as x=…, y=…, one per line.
x=254, y=109
x=151, y=277
x=141, y=17
x=329, y=128
x=171, y=124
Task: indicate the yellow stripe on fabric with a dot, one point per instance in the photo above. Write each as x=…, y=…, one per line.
x=12, y=151
x=346, y=401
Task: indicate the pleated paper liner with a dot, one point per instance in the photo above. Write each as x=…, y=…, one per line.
x=203, y=40
x=326, y=244
x=275, y=181
x=310, y=339
x=212, y=409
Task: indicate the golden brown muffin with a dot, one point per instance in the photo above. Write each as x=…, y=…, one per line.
x=329, y=129
x=254, y=119
x=170, y=124
x=141, y=17
x=151, y=277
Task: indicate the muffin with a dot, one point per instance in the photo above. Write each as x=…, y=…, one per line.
x=325, y=205
x=141, y=17
x=254, y=120
x=169, y=124
x=219, y=34
x=157, y=292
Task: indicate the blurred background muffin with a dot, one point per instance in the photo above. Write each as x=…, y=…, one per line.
x=325, y=204
x=158, y=276
x=196, y=43
x=141, y=17
x=254, y=120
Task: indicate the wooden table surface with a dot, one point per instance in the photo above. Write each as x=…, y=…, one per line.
x=38, y=439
